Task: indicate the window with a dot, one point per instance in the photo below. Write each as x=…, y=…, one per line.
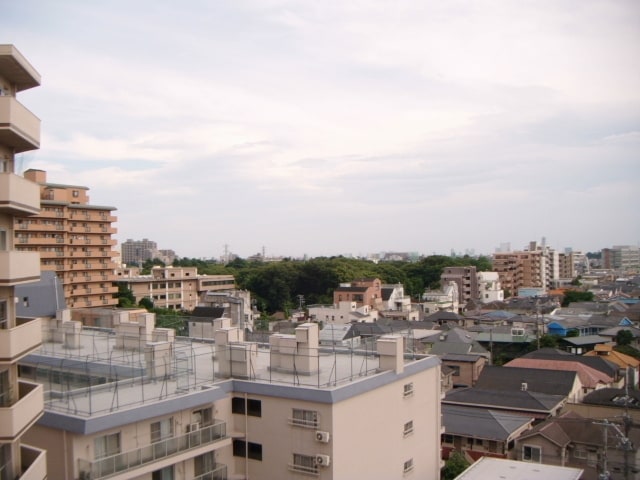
x=304, y=418
x=447, y=438
x=408, y=428
x=408, y=389
x=304, y=463
x=161, y=430
x=164, y=474
x=247, y=449
x=3, y=239
x=580, y=453
x=204, y=463
x=408, y=465
x=204, y=417
x=75, y=194
x=253, y=407
x=456, y=370
x=107, y=445
x=4, y=314
x=531, y=454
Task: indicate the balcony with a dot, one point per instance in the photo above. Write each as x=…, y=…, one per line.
x=218, y=473
x=19, y=416
x=18, y=341
x=34, y=463
x=19, y=267
x=19, y=128
x=150, y=454
x=18, y=196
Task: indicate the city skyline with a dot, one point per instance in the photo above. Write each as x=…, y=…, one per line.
x=336, y=128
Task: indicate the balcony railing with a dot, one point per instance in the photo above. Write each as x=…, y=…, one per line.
x=133, y=459
x=18, y=195
x=34, y=463
x=218, y=473
x=21, y=339
x=22, y=413
x=20, y=129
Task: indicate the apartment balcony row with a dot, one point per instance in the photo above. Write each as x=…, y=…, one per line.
x=88, y=278
x=93, y=290
x=17, y=341
x=82, y=301
x=24, y=239
x=18, y=196
x=19, y=128
x=18, y=267
x=18, y=415
x=94, y=229
x=92, y=217
x=174, y=449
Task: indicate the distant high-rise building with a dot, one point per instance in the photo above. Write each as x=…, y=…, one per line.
x=467, y=280
x=74, y=240
x=137, y=251
x=621, y=257
x=21, y=402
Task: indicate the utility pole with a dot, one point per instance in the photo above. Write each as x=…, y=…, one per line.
x=624, y=443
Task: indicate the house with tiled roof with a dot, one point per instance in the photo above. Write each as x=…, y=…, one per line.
x=572, y=440
x=466, y=367
x=524, y=402
x=563, y=383
x=590, y=378
x=478, y=432
x=630, y=365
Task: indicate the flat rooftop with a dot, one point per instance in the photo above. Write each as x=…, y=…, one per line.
x=98, y=378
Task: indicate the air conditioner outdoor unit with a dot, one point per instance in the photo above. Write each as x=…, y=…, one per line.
x=323, y=460
x=192, y=427
x=323, y=436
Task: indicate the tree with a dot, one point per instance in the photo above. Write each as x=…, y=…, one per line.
x=454, y=466
x=571, y=296
x=147, y=303
x=624, y=337
x=125, y=296
x=549, y=341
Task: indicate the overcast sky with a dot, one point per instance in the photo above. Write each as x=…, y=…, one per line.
x=342, y=127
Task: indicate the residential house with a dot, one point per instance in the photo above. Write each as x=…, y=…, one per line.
x=560, y=382
x=488, y=467
x=574, y=441
x=626, y=363
x=479, y=432
x=466, y=367
x=366, y=291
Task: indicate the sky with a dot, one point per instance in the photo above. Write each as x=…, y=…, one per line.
x=335, y=127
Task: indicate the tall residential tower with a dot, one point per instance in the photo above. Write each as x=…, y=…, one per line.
x=21, y=402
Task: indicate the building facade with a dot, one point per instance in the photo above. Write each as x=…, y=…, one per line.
x=227, y=409
x=467, y=280
x=74, y=239
x=21, y=402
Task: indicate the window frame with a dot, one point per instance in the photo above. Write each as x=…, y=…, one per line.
x=530, y=457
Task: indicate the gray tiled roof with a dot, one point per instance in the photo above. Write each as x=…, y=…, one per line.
x=526, y=401
x=481, y=423
x=552, y=382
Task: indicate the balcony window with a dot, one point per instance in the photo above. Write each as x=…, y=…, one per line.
x=204, y=463
x=164, y=474
x=4, y=314
x=203, y=417
x=161, y=430
x=107, y=445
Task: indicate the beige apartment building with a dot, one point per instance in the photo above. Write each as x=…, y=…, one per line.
x=73, y=239
x=520, y=270
x=21, y=402
x=138, y=403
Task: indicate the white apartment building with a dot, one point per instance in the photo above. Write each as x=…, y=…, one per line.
x=137, y=403
x=489, y=287
x=342, y=313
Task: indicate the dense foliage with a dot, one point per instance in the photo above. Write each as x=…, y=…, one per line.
x=454, y=466
x=571, y=296
x=277, y=285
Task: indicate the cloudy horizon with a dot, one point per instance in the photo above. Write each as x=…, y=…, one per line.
x=327, y=128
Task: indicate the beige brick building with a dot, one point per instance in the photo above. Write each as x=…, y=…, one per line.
x=21, y=402
x=74, y=239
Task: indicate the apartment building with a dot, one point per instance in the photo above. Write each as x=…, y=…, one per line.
x=21, y=402
x=137, y=251
x=489, y=287
x=537, y=267
x=621, y=257
x=467, y=280
x=366, y=291
x=73, y=239
x=173, y=288
x=138, y=403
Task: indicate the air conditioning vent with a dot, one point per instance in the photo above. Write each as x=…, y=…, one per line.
x=323, y=437
x=193, y=427
x=323, y=460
